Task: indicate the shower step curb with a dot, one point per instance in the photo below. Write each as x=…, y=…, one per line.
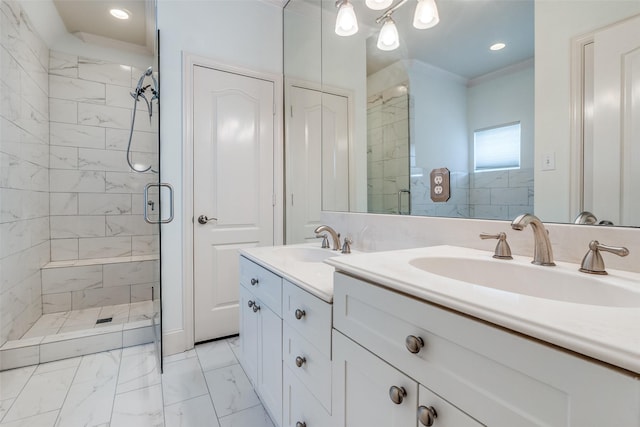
x=32, y=351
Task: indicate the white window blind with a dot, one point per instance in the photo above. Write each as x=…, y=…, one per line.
x=497, y=148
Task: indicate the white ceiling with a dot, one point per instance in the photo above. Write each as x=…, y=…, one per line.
x=460, y=42
x=90, y=20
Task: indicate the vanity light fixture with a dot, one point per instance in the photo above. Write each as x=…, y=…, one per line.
x=378, y=4
x=346, y=22
x=388, y=39
x=120, y=13
x=425, y=16
x=497, y=46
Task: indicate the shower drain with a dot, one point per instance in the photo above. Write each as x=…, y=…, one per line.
x=104, y=320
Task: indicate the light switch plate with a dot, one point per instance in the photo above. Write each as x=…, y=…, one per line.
x=440, y=187
x=549, y=161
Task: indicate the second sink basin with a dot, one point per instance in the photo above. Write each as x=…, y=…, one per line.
x=554, y=283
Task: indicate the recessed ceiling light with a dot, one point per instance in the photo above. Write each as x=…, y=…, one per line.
x=120, y=13
x=497, y=46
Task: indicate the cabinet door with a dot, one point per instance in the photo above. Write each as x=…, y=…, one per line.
x=361, y=388
x=248, y=335
x=300, y=405
x=269, y=384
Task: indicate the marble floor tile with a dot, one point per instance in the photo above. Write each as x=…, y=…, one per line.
x=180, y=356
x=139, y=408
x=99, y=367
x=88, y=403
x=230, y=390
x=137, y=349
x=43, y=368
x=4, y=407
x=14, y=380
x=183, y=380
x=255, y=417
x=46, y=419
x=43, y=393
x=138, y=370
x=215, y=354
x=193, y=412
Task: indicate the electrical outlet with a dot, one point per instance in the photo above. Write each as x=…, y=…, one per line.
x=440, y=189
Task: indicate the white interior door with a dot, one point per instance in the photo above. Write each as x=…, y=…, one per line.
x=317, y=159
x=304, y=163
x=233, y=175
x=616, y=128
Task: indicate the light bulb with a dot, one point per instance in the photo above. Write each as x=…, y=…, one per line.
x=388, y=38
x=378, y=4
x=346, y=22
x=426, y=15
x=120, y=13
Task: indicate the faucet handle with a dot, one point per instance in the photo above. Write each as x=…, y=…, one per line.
x=325, y=240
x=593, y=263
x=346, y=246
x=502, y=251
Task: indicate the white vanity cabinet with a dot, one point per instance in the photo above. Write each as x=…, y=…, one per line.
x=261, y=333
x=466, y=371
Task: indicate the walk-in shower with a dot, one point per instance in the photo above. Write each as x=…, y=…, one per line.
x=79, y=264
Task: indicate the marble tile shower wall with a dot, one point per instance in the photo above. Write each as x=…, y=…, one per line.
x=96, y=202
x=388, y=156
x=24, y=173
x=489, y=195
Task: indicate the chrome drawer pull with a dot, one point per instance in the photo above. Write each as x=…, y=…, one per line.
x=254, y=282
x=300, y=314
x=300, y=361
x=301, y=424
x=256, y=307
x=414, y=344
x=251, y=303
x=397, y=394
x=427, y=415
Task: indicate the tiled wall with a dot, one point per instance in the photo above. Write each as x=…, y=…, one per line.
x=388, y=150
x=96, y=201
x=24, y=173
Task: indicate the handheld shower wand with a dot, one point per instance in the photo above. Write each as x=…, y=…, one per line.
x=136, y=95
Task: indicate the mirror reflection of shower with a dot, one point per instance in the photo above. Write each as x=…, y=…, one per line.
x=139, y=93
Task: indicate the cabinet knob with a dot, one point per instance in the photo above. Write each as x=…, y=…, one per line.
x=300, y=314
x=427, y=415
x=414, y=344
x=300, y=361
x=256, y=307
x=301, y=424
x=251, y=303
x=397, y=394
x=254, y=281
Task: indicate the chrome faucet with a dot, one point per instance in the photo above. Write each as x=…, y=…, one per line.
x=335, y=236
x=542, y=253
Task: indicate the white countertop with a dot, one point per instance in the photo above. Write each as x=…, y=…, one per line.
x=607, y=333
x=314, y=277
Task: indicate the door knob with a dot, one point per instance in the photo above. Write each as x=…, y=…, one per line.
x=427, y=415
x=397, y=394
x=203, y=219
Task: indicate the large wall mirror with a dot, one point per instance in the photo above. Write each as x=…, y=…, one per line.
x=443, y=125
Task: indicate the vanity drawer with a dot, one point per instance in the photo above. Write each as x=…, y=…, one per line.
x=300, y=406
x=308, y=315
x=446, y=415
x=468, y=363
x=315, y=368
x=264, y=284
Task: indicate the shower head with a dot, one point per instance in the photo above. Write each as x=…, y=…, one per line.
x=149, y=71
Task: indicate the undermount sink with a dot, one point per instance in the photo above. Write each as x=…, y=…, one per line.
x=305, y=254
x=553, y=283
